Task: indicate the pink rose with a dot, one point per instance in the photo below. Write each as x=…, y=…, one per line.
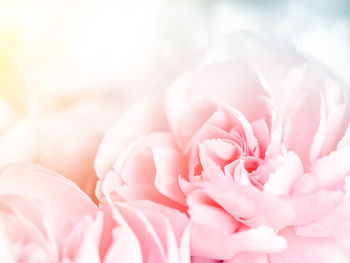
x=135, y=232
x=45, y=217
x=35, y=207
x=253, y=144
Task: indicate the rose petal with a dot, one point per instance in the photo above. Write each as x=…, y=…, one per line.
x=241, y=202
x=262, y=134
x=36, y=182
x=310, y=207
x=334, y=224
x=309, y=250
x=282, y=180
x=146, y=117
x=144, y=192
x=169, y=165
x=204, y=210
x=213, y=243
x=154, y=231
x=250, y=258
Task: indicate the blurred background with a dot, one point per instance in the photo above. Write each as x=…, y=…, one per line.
x=54, y=52
x=67, y=68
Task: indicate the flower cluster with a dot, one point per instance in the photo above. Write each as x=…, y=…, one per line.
x=243, y=159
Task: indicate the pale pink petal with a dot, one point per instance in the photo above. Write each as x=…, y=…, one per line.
x=335, y=224
x=213, y=243
x=185, y=245
x=178, y=104
x=262, y=134
x=25, y=222
x=170, y=164
x=332, y=128
x=310, y=207
x=141, y=166
x=27, y=233
x=297, y=123
x=144, y=192
x=199, y=113
x=204, y=260
x=6, y=254
x=136, y=163
x=338, y=107
x=211, y=131
x=88, y=251
x=31, y=210
x=309, y=250
x=327, y=172
x=82, y=239
x=235, y=83
x=237, y=119
x=345, y=140
x=152, y=247
x=249, y=258
x=177, y=220
x=211, y=171
x=138, y=168
x=241, y=202
x=172, y=246
x=223, y=149
x=332, y=168
x=204, y=210
x=291, y=101
x=281, y=181
x=33, y=181
x=107, y=186
x=143, y=231
x=153, y=226
x=320, y=135
x=125, y=248
x=145, y=117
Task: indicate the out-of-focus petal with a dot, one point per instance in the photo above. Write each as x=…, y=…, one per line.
x=33, y=181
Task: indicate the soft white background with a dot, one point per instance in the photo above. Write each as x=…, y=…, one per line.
x=55, y=52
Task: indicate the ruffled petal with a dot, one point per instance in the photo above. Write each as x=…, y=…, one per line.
x=143, y=118
x=282, y=180
x=250, y=205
